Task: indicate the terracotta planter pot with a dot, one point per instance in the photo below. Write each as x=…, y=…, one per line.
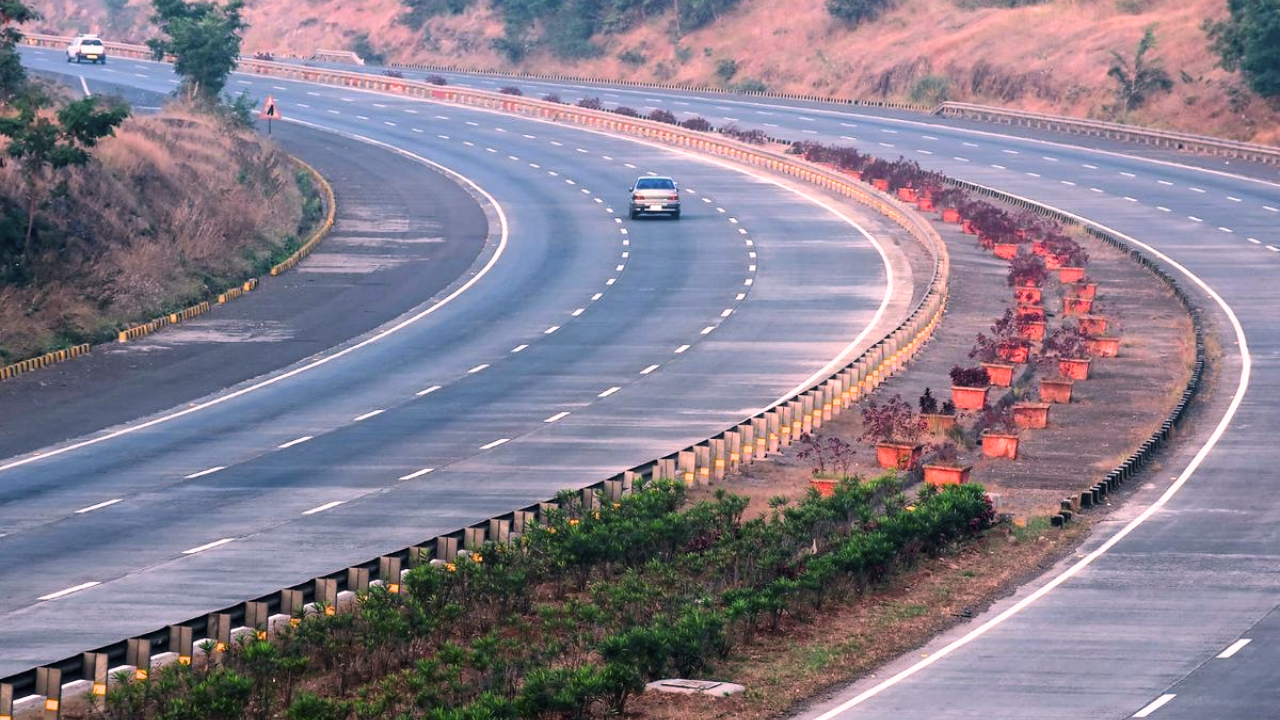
x=1086, y=290
x=825, y=487
x=939, y=424
x=925, y=204
x=1028, y=295
x=1076, y=305
x=1032, y=330
x=1029, y=313
x=1001, y=375
x=1074, y=368
x=1038, y=248
x=946, y=474
x=966, y=398
x=999, y=445
x=1095, y=325
x=1033, y=415
x=1107, y=347
x=967, y=227
x=1005, y=251
x=894, y=456
x=1056, y=390
x=855, y=174
x=951, y=215
x=1017, y=354
x=1051, y=261
x=880, y=184
x=907, y=194
x=1069, y=274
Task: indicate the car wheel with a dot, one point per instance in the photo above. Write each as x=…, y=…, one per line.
x=77, y=59
x=634, y=214
x=675, y=215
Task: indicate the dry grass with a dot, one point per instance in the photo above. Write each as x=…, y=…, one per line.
x=172, y=208
x=1050, y=57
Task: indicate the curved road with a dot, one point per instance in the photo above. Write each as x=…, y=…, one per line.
x=1170, y=611
x=580, y=344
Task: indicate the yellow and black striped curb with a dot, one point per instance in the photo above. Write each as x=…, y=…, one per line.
x=49, y=358
x=331, y=208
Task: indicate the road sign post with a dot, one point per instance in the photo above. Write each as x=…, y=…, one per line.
x=270, y=111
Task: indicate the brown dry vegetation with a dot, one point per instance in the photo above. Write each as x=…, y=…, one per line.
x=171, y=209
x=1050, y=57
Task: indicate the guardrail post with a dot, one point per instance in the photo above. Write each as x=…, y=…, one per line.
x=773, y=422
x=719, y=458
x=290, y=602
x=797, y=421
x=446, y=548
x=357, y=579
x=389, y=570
x=93, y=666
x=6, y=701
x=685, y=467
x=181, y=643
x=500, y=530
x=808, y=421
x=667, y=469
x=219, y=629
x=732, y=450
x=326, y=594
x=137, y=654
x=521, y=520
x=702, y=463
x=473, y=538
x=747, y=448
x=49, y=685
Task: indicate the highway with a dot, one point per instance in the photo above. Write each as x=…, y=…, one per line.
x=1150, y=618
x=579, y=344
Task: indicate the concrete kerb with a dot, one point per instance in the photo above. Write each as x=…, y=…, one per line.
x=771, y=430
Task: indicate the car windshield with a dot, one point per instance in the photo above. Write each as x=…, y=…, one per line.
x=655, y=184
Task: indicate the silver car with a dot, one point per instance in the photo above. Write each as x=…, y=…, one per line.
x=650, y=194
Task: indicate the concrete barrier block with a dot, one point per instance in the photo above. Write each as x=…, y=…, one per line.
x=277, y=623
x=163, y=660
x=346, y=601
x=732, y=450
x=78, y=698
x=6, y=700
x=30, y=707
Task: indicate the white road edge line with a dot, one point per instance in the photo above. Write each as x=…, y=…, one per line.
x=1155, y=705
x=68, y=591
x=99, y=506
x=322, y=508
x=1234, y=648
x=1246, y=368
x=504, y=235
x=208, y=546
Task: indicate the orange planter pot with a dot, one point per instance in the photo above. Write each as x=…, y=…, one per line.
x=939, y=424
x=907, y=194
x=1068, y=274
x=1005, y=251
x=1095, y=325
x=946, y=474
x=1056, y=390
x=1001, y=375
x=1076, y=305
x=893, y=456
x=999, y=445
x=1029, y=313
x=1085, y=290
x=1032, y=330
x=1038, y=248
x=925, y=204
x=1051, y=261
x=1028, y=295
x=967, y=398
x=967, y=227
x=1074, y=368
x=1033, y=415
x=880, y=184
x=825, y=488
x=951, y=215
x=1107, y=347
x=1014, y=353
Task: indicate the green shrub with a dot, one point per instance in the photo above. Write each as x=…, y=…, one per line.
x=633, y=57
x=420, y=11
x=931, y=90
x=1247, y=41
x=856, y=12
x=726, y=69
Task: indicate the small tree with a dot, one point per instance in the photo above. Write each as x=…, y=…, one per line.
x=12, y=75
x=1137, y=81
x=42, y=146
x=1247, y=41
x=855, y=12
x=893, y=421
x=204, y=39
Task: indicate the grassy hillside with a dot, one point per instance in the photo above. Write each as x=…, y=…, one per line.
x=1051, y=57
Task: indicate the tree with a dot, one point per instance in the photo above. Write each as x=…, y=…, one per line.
x=42, y=146
x=1249, y=41
x=12, y=75
x=204, y=39
x=1137, y=81
x=855, y=12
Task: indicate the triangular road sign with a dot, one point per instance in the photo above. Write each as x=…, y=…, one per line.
x=270, y=110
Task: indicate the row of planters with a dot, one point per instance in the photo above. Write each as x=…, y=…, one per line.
x=1044, y=260
x=573, y=617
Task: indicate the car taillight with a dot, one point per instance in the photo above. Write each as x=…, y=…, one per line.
x=674, y=197
x=637, y=196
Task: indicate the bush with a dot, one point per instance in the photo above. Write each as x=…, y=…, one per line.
x=754, y=137
x=856, y=12
x=510, y=90
x=1027, y=270
x=435, y=80
x=632, y=57
x=591, y=104
x=749, y=85
x=931, y=90
x=970, y=377
x=552, y=98
x=1246, y=41
x=894, y=421
x=663, y=116
x=699, y=124
x=626, y=111
x=726, y=69
x=420, y=11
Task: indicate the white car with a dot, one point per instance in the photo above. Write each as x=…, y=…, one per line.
x=655, y=195
x=87, y=47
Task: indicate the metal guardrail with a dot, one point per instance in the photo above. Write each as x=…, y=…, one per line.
x=754, y=438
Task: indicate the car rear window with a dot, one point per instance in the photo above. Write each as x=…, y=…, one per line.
x=91, y=43
x=655, y=184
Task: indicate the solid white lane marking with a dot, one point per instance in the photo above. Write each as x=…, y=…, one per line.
x=68, y=591
x=322, y=508
x=291, y=443
x=417, y=474
x=1233, y=648
x=519, y=348
x=202, y=473
x=208, y=546
x=557, y=416
x=680, y=350
x=1155, y=705
x=609, y=392
x=366, y=416
x=99, y=506
x=428, y=391
x=551, y=329
x=495, y=443
x=477, y=368
x=649, y=369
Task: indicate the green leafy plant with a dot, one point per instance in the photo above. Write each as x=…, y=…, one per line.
x=893, y=421
x=1138, y=80
x=1246, y=41
x=855, y=12
x=204, y=38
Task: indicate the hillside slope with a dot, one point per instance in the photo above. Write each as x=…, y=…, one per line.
x=1050, y=57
